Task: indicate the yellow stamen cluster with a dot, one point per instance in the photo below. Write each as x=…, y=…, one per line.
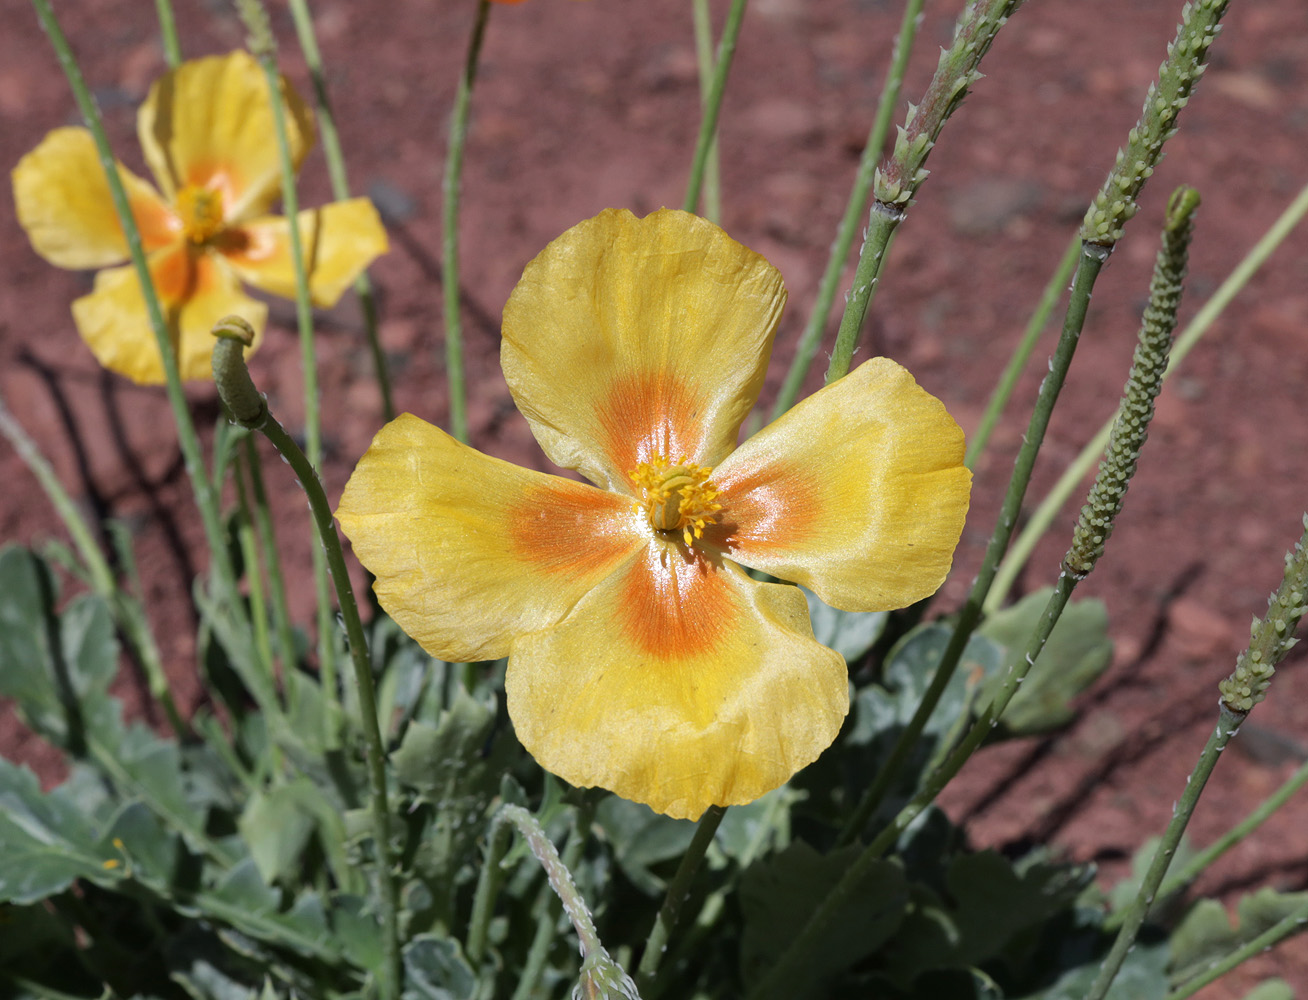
x=678, y=496
x=201, y=212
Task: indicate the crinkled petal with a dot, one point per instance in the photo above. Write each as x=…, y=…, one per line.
x=470, y=552
x=628, y=338
x=209, y=123
x=679, y=684
x=62, y=200
x=339, y=241
x=195, y=291
x=858, y=492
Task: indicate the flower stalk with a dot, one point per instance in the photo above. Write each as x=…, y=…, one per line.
x=708, y=128
x=1293, y=923
x=1136, y=409
x=597, y=967
x=666, y=920
x=549, y=905
x=168, y=33
x=704, y=58
x=1103, y=504
x=263, y=46
x=976, y=444
x=127, y=612
x=1271, y=638
x=488, y=886
x=1228, y=723
x=1198, y=864
x=452, y=189
x=263, y=526
x=248, y=408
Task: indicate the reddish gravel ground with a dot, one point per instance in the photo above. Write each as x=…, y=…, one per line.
x=589, y=105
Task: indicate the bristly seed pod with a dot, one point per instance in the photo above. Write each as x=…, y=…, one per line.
x=1270, y=637
x=1131, y=425
x=1116, y=201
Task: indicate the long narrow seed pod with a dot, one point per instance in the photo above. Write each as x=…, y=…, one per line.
x=1137, y=407
x=897, y=180
x=1116, y=201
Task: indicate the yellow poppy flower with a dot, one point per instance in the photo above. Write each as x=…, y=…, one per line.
x=207, y=132
x=642, y=658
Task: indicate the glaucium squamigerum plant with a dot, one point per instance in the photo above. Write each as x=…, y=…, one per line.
x=642, y=658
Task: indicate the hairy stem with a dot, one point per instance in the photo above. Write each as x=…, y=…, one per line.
x=657, y=941
x=250, y=409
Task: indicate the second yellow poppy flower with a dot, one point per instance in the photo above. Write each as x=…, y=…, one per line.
x=208, y=136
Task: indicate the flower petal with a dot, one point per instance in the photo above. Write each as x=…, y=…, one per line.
x=470, y=552
x=858, y=492
x=209, y=123
x=679, y=684
x=63, y=201
x=339, y=241
x=627, y=338
x=195, y=290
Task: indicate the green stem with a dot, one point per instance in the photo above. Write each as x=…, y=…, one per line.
x=1278, y=932
x=811, y=338
x=708, y=128
x=206, y=497
x=537, y=955
x=263, y=47
x=1091, y=262
x=1043, y=515
x=452, y=188
x=488, y=884
x=704, y=56
x=263, y=526
x=129, y=613
x=1228, y=723
x=250, y=409
x=693, y=940
x=1017, y=363
x=250, y=555
x=331, y=147
x=168, y=33
x=882, y=223
x=1196, y=865
x=657, y=941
